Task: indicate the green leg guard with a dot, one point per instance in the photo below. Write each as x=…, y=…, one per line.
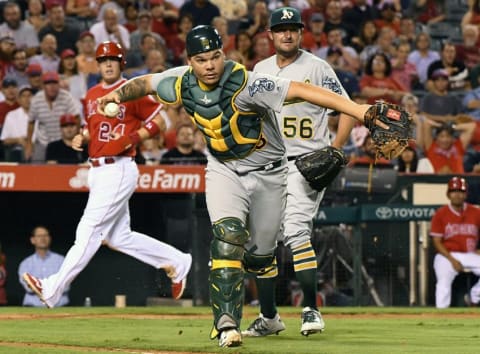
x=226, y=274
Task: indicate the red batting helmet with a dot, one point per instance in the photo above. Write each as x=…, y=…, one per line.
x=111, y=50
x=457, y=184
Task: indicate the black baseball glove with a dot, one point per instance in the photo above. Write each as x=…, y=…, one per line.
x=389, y=143
x=322, y=166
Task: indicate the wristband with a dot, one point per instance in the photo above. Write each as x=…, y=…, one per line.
x=152, y=128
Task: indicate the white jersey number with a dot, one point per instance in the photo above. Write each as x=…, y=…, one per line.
x=296, y=127
x=105, y=130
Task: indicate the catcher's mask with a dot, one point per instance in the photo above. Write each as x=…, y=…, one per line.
x=202, y=39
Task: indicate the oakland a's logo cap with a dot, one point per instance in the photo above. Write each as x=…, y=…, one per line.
x=285, y=16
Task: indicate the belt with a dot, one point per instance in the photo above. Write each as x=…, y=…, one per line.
x=105, y=160
x=268, y=167
x=290, y=158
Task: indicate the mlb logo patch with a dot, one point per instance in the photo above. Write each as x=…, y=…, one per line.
x=393, y=114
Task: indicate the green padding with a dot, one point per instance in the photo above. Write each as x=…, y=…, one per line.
x=258, y=264
x=226, y=295
x=166, y=89
x=229, y=235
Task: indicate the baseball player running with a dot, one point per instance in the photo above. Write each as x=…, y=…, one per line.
x=246, y=172
x=454, y=231
x=112, y=179
x=304, y=128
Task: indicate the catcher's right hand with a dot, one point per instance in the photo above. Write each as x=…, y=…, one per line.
x=389, y=143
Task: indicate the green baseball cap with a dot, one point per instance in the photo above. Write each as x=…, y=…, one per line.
x=286, y=16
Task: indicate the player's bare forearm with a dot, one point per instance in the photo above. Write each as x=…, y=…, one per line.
x=345, y=126
x=326, y=98
x=135, y=88
x=144, y=133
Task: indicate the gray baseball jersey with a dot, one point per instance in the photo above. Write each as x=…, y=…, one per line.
x=236, y=187
x=304, y=128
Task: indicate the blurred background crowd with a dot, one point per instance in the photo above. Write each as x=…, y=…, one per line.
x=421, y=54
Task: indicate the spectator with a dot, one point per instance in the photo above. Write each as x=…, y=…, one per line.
x=259, y=21
x=457, y=71
x=384, y=44
x=10, y=92
x=471, y=103
x=7, y=47
x=334, y=13
x=46, y=108
x=231, y=10
x=60, y=151
x=422, y=56
x=48, y=57
x=228, y=40
x=350, y=59
x=35, y=16
x=66, y=33
x=154, y=63
x=111, y=30
x=388, y=18
x=360, y=13
x=244, y=44
x=3, y=278
x=444, y=150
x=440, y=104
x=42, y=264
x=454, y=231
x=34, y=74
x=314, y=37
x=409, y=162
x=23, y=33
x=408, y=31
x=86, y=62
x=131, y=16
x=144, y=25
x=202, y=11
x=136, y=59
x=426, y=11
x=183, y=153
x=70, y=78
x=262, y=48
x=14, y=132
x=19, y=67
x=368, y=156
x=176, y=43
x=377, y=83
x=403, y=71
x=472, y=16
x=468, y=51
x=367, y=36
x=153, y=149
x=164, y=18
x=83, y=11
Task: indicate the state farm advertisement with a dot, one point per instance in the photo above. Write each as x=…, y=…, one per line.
x=73, y=178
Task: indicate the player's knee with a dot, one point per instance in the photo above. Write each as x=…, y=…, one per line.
x=260, y=264
x=229, y=238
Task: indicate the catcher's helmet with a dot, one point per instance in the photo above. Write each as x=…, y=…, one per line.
x=457, y=184
x=111, y=50
x=202, y=39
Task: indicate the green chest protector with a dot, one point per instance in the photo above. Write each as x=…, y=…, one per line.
x=230, y=134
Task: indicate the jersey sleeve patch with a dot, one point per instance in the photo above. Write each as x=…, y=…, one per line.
x=332, y=85
x=168, y=90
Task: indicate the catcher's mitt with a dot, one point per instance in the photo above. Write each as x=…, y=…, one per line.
x=322, y=166
x=389, y=143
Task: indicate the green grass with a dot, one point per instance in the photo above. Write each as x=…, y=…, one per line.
x=134, y=330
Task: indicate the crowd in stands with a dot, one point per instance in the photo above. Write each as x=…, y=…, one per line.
x=422, y=54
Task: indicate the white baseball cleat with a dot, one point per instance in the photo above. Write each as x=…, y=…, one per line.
x=263, y=326
x=230, y=338
x=312, y=322
x=35, y=285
